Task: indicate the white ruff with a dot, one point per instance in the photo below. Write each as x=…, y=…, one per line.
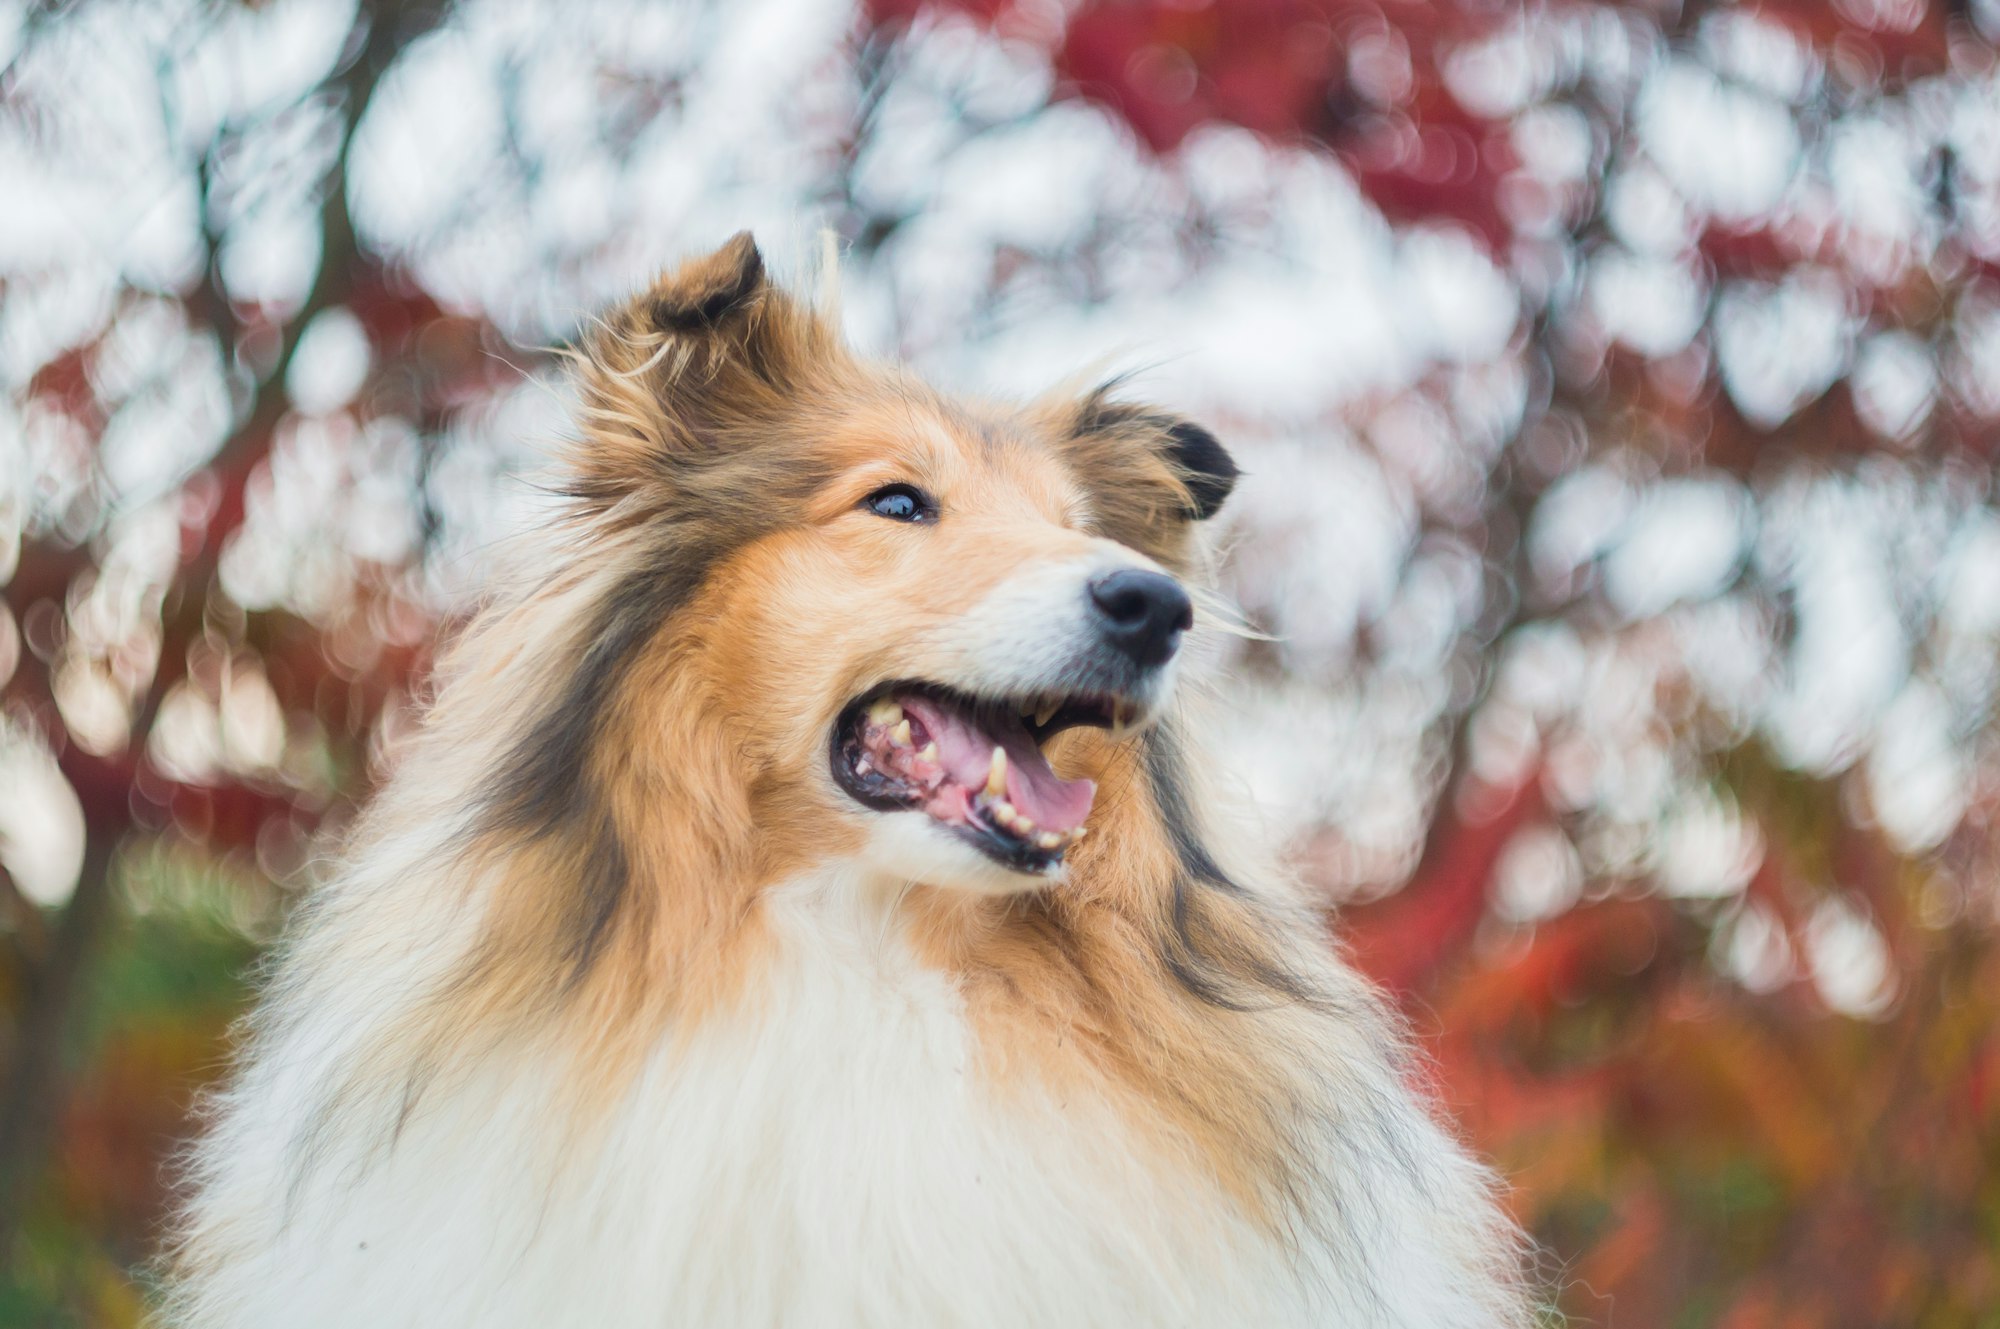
x=833, y=1159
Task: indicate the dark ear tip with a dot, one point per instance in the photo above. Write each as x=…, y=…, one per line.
x=1208, y=470
x=707, y=290
x=740, y=254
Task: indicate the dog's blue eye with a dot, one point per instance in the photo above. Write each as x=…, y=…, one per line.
x=901, y=503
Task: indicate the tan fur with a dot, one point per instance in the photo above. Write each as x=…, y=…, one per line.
x=613, y=877
x=710, y=759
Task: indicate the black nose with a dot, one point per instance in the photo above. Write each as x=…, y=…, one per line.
x=1142, y=614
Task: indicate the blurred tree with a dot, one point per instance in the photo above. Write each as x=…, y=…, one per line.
x=98, y=640
x=1617, y=386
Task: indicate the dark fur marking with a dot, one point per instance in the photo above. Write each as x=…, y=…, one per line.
x=1190, y=958
x=545, y=782
x=1185, y=961
x=708, y=304
x=1100, y=412
x=604, y=890
x=547, y=787
x=1163, y=766
x=720, y=504
x=1207, y=468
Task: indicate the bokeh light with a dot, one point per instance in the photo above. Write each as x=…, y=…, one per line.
x=1618, y=388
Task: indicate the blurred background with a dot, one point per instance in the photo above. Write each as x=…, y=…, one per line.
x=1619, y=388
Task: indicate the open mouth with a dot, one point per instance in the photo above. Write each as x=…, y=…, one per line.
x=973, y=766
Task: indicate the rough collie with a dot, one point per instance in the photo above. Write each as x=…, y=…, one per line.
x=803, y=905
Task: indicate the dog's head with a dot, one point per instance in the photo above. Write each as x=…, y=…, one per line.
x=897, y=601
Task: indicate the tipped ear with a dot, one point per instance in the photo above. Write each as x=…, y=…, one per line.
x=1150, y=475
x=1206, y=468
x=691, y=368
x=707, y=290
x=1119, y=439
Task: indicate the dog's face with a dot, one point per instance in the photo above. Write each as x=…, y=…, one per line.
x=922, y=595
x=943, y=609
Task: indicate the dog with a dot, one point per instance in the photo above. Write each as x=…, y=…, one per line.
x=804, y=903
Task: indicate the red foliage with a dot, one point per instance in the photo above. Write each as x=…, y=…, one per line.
x=1689, y=1148
x=1287, y=69
x=1895, y=42
x=1264, y=64
x=1401, y=941
x=1693, y=1150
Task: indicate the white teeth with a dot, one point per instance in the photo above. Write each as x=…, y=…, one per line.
x=900, y=735
x=1048, y=840
x=885, y=713
x=1020, y=823
x=928, y=753
x=1078, y=834
x=861, y=766
x=996, y=774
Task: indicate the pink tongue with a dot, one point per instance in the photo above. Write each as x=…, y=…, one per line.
x=966, y=753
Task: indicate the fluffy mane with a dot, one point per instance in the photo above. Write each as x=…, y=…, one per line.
x=606, y=879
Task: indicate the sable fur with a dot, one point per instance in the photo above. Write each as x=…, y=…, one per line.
x=612, y=1014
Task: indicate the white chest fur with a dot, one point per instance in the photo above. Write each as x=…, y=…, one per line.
x=835, y=1158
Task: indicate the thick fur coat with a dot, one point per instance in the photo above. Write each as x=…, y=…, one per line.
x=620, y=1009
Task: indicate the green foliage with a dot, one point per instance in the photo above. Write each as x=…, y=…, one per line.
x=172, y=976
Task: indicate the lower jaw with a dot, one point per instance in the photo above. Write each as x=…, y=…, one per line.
x=1008, y=852
x=997, y=847
x=914, y=849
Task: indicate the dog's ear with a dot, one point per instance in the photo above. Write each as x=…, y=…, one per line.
x=1164, y=462
x=706, y=291
x=1150, y=474
x=691, y=368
